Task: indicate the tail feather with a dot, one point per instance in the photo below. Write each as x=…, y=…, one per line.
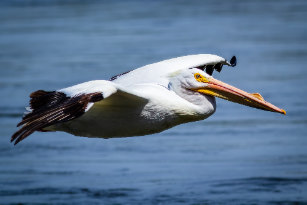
x=49, y=108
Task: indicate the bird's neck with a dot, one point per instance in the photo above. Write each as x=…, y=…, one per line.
x=204, y=104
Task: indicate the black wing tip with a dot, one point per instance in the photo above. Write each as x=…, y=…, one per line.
x=17, y=137
x=118, y=75
x=233, y=61
x=56, y=108
x=23, y=133
x=15, y=141
x=12, y=138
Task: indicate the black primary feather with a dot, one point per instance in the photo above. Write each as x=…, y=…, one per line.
x=233, y=61
x=49, y=108
x=118, y=75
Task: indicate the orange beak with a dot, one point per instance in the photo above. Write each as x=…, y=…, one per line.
x=222, y=90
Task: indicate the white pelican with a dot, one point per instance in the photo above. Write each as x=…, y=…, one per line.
x=143, y=101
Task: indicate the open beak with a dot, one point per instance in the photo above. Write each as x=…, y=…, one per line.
x=222, y=90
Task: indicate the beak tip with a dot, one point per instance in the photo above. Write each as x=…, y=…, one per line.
x=283, y=112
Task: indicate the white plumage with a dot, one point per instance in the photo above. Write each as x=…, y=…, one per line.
x=143, y=101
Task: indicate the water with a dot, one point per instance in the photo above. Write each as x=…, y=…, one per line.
x=239, y=155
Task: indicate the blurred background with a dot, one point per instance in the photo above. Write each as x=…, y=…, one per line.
x=239, y=155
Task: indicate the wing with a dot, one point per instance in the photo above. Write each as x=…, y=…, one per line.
x=52, y=107
x=159, y=72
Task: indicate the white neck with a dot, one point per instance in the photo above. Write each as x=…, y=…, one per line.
x=205, y=104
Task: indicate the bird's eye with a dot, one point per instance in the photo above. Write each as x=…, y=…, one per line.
x=200, y=78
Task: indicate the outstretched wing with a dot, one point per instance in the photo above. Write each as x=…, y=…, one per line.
x=53, y=107
x=159, y=72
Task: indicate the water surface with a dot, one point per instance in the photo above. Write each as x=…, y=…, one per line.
x=239, y=155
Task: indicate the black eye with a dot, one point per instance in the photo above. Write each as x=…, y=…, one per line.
x=197, y=76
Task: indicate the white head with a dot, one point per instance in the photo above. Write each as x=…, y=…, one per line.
x=183, y=82
x=200, y=88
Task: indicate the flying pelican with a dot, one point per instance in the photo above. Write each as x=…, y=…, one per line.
x=143, y=101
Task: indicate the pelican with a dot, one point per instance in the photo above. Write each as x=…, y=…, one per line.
x=143, y=101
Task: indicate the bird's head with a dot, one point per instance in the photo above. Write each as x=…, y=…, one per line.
x=198, y=81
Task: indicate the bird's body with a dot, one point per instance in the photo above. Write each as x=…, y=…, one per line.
x=152, y=108
x=144, y=101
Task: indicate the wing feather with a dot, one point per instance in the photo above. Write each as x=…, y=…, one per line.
x=52, y=113
x=53, y=107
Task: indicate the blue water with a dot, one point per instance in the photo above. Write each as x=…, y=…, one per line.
x=239, y=155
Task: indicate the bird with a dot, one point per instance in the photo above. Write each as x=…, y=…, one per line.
x=147, y=100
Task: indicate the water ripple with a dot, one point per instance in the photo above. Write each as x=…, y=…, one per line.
x=100, y=193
